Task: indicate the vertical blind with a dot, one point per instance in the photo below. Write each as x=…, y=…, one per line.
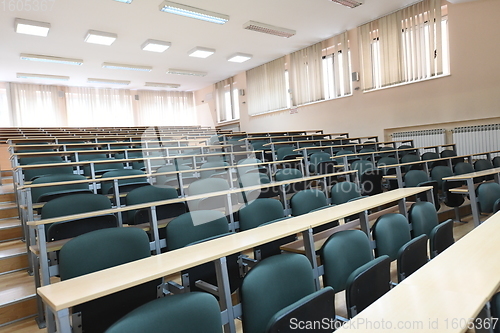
x=401, y=47
x=266, y=87
x=224, y=106
x=306, y=75
x=336, y=55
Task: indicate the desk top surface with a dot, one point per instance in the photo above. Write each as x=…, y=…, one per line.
x=85, y=288
x=476, y=174
x=439, y=290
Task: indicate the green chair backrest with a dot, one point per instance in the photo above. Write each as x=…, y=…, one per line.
x=496, y=162
x=107, y=186
x=343, y=192
x=414, y=177
x=340, y=160
x=448, y=153
x=192, y=312
x=163, y=179
x=391, y=232
x=31, y=174
x=208, y=173
x=463, y=167
x=409, y=158
x=250, y=168
x=287, y=174
x=75, y=204
x=439, y=172
x=316, y=158
x=40, y=159
x=341, y=254
x=38, y=192
x=268, y=288
x=482, y=164
x=194, y=226
x=305, y=201
x=423, y=218
x=362, y=166
x=207, y=185
x=429, y=156
x=260, y=211
x=148, y=193
x=487, y=194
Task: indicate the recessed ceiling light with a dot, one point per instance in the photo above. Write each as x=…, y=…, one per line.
x=127, y=67
x=34, y=28
x=100, y=37
x=124, y=1
x=268, y=29
x=185, y=72
x=41, y=76
x=349, y=3
x=239, y=57
x=193, y=12
x=106, y=81
x=201, y=52
x=57, y=60
x=161, y=85
x=155, y=45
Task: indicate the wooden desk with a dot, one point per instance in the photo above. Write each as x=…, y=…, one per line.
x=60, y=296
x=454, y=285
x=471, y=190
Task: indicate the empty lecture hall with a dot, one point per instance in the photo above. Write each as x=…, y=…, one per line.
x=254, y=166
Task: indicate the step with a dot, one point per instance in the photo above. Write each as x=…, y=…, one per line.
x=13, y=256
x=7, y=180
x=17, y=296
x=7, y=197
x=10, y=229
x=8, y=210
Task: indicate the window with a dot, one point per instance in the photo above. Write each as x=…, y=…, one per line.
x=336, y=71
x=4, y=109
x=406, y=46
x=227, y=100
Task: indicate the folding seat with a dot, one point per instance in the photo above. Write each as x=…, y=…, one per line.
x=99, y=250
x=47, y=193
x=270, y=299
x=124, y=185
x=487, y=195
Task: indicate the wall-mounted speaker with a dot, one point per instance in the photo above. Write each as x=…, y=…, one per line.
x=242, y=92
x=136, y=97
x=355, y=76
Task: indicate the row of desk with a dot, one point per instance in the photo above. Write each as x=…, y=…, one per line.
x=61, y=296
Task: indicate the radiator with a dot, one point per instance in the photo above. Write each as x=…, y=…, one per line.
x=422, y=138
x=477, y=139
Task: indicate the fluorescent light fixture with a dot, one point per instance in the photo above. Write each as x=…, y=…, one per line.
x=185, y=72
x=162, y=85
x=34, y=28
x=57, y=60
x=100, y=37
x=124, y=1
x=201, y=52
x=127, y=67
x=268, y=29
x=41, y=76
x=155, y=45
x=239, y=57
x=106, y=81
x=193, y=12
x=349, y=3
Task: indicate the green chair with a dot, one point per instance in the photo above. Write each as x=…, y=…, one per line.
x=305, y=201
x=495, y=310
x=448, y=153
x=261, y=212
x=423, y=218
x=270, y=298
x=441, y=238
x=408, y=158
x=32, y=174
x=429, y=156
x=254, y=179
x=204, y=186
x=439, y=172
x=487, y=195
x=172, y=180
x=283, y=153
x=341, y=152
x=418, y=178
x=462, y=168
x=252, y=168
x=40, y=159
x=496, y=162
x=316, y=158
x=288, y=174
x=102, y=249
x=362, y=166
x=367, y=284
x=47, y=193
x=150, y=193
x=195, y=227
x=390, y=232
x=184, y=313
x=124, y=185
x=216, y=172
x=412, y=256
x=341, y=254
x=496, y=206
x=343, y=192
x=482, y=164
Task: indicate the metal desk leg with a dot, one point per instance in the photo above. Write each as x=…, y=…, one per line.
x=225, y=293
x=402, y=207
x=307, y=235
x=154, y=228
x=63, y=323
x=473, y=201
x=365, y=223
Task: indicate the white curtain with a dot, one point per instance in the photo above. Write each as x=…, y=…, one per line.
x=266, y=87
x=37, y=105
x=337, y=57
x=404, y=46
x=99, y=107
x=306, y=75
x=225, y=99
x=165, y=108
x=5, y=118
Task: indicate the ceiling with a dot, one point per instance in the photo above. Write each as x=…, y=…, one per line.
x=314, y=21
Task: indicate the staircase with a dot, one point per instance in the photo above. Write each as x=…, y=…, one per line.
x=17, y=287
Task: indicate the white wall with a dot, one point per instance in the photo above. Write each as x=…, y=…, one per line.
x=471, y=92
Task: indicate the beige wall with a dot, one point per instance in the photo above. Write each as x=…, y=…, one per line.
x=471, y=92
